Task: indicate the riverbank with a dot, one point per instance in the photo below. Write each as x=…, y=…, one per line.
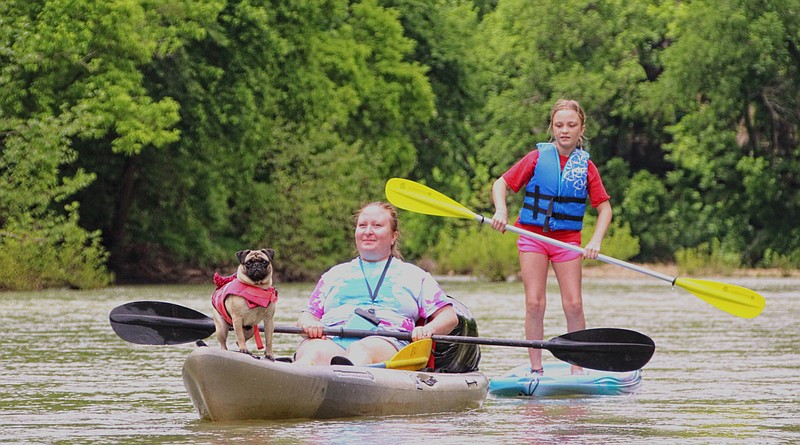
x=604, y=270
x=613, y=271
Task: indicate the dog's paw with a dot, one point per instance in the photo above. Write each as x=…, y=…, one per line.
x=200, y=343
x=270, y=357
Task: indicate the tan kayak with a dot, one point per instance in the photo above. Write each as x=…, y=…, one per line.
x=228, y=385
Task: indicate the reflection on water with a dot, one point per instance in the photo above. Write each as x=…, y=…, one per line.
x=65, y=377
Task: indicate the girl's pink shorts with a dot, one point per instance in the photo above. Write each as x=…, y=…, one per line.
x=555, y=253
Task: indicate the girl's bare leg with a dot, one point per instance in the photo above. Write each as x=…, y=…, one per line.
x=569, y=275
x=533, y=268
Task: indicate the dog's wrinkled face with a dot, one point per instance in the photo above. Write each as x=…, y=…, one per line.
x=256, y=265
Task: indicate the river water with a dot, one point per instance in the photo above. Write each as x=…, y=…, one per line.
x=65, y=377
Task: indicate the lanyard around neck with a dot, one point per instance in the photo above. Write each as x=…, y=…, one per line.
x=374, y=295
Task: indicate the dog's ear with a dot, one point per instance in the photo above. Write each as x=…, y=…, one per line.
x=242, y=255
x=270, y=253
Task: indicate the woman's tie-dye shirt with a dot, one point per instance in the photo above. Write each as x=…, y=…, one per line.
x=407, y=294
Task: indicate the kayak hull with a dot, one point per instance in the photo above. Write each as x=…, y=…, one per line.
x=228, y=385
x=558, y=381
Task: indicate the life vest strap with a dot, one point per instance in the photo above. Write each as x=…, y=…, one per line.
x=256, y=334
x=557, y=215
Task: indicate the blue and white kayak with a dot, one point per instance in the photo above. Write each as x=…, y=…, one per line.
x=558, y=381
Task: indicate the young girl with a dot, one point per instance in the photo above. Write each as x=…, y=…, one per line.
x=557, y=177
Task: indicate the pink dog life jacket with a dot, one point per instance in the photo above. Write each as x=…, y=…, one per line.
x=255, y=296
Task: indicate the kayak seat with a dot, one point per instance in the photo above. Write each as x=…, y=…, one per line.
x=458, y=357
x=341, y=360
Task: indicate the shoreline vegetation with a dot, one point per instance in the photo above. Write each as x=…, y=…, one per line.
x=144, y=142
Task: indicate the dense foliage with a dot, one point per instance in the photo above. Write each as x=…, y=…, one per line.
x=150, y=139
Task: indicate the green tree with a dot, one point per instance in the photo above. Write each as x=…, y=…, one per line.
x=70, y=74
x=597, y=53
x=190, y=129
x=292, y=114
x=352, y=103
x=647, y=203
x=733, y=73
x=445, y=34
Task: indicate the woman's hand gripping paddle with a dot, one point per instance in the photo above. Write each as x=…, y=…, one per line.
x=413, y=196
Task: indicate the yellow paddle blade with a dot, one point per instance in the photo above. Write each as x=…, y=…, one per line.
x=413, y=196
x=413, y=357
x=736, y=300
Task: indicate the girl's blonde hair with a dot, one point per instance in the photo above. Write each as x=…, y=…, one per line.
x=568, y=104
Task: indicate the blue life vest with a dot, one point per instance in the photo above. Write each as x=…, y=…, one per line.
x=556, y=200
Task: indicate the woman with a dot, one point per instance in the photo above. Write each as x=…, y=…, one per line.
x=557, y=177
x=378, y=284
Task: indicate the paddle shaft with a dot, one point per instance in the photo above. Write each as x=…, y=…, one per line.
x=601, y=257
x=607, y=349
x=207, y=325
x=488, y=341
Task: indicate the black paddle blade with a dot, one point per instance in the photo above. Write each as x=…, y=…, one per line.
x=159, y=323
x=607, y=349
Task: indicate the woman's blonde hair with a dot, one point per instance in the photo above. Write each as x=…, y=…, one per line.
x=392, y=217
x=568, y=104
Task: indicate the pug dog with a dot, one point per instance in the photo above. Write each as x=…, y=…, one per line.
x=244, y=300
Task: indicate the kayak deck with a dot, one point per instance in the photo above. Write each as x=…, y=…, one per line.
x=558, y=381
x=228, y=385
